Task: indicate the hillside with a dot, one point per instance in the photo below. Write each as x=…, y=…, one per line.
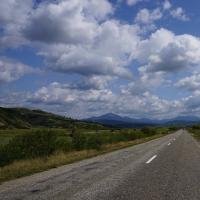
x=27, y=118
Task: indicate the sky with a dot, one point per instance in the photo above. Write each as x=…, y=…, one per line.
x=82, y=58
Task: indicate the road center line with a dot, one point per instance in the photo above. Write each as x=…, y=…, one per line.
x=169, y=143
x=151, y=159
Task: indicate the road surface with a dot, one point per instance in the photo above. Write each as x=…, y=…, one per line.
x=167, y=168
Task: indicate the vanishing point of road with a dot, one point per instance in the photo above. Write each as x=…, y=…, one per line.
x=167, y=168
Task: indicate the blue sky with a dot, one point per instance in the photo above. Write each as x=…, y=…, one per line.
x=136, y=58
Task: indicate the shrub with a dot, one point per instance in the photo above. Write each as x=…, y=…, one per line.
x=196, y=127
x=173, y=128
x=64, y=144
x=78, y=141
x=94, y=142
x=148, y=131
x=35, y=144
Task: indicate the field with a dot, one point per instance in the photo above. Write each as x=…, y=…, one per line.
x=36, y=150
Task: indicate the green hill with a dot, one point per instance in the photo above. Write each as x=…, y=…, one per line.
x=27, y=118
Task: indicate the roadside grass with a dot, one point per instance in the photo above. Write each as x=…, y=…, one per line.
x=195, y=131
x=8, y=134
x=27, y=167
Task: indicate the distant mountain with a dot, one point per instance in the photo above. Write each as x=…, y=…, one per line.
x=116, y=120
x=111, y=119
x=187, y=118
x=183, y=120
x=31, y=118
x=27, y=118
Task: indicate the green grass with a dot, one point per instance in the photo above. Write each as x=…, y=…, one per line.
x=4, y=139
x=9, y=134
x=195, y=131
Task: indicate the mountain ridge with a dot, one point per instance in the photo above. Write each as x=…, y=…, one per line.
x=114, y=119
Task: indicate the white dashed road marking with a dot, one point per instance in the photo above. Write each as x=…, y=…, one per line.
x=151, y=159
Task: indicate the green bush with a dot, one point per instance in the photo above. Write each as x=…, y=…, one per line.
x=35, y=144
x=173, y=128
x=94, y=142
x=63, y=144
x=149, y=131
x=78, y=141
x=41, y=143
x=197, y=127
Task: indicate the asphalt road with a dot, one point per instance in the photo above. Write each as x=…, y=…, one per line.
x=167, y=168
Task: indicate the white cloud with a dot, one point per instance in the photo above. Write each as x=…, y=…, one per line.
x=93, y=82
x=145, y=16
x=191, y=103
x=77, y=36
x=13, y=99
x=133, y=2
x=71, y=21
x=166, y=52
x=11, y=70
x=143, y=83
x=81, y=37
x=148, y=105
x=94, y=101
x=14, y=11
x=190, y=83
x=167, y=5
x=179, y=13
x=57, y=93
x=13, y=15
x=106, y=54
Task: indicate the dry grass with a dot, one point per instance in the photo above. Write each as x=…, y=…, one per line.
x=28, y=167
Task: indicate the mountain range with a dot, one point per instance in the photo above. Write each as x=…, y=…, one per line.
x=119, y=121
x=32, y=118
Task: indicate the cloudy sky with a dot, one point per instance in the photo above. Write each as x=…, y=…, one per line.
x=80, y=58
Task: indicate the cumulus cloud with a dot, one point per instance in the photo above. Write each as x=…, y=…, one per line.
x=71, y=21
x=57, y=93
x=190, y=83
x=166, y=52
x=179, y=14
x=79, y=37
x=133, y=2
x=13, y=16
x=103, y=100
x=167, y=5
x=148, y=105
x=13, y=99
x=108, y=53
x=191, y=103
x=82, y=37
x=11, y=70
x=14, y=11
x=143, y=83
x=146, y=16
x=93, y=82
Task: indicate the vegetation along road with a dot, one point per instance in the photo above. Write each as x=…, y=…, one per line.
x=165, y=168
